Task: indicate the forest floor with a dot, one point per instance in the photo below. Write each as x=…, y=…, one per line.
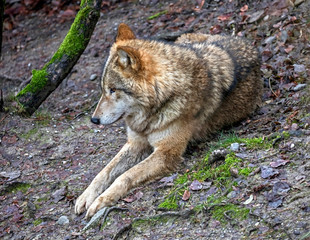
x=258, y=189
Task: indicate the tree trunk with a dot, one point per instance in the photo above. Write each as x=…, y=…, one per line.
x=46, y=80
x=2, y=2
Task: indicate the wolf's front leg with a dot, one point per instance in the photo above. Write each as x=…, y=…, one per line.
x=132, y=152
x=166, y=157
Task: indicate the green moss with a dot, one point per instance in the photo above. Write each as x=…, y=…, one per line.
x=71, y=46
x=38, y=81
x=256, y=143
x=142, y=224
x=37, y=222
x=245, y=171
x=29, y=134
x=169, y=203
x=42, y=199
x=225, y=141
x=157, y=15
x=82, y=3
x=229, y=211
x=218, y=173
x=285, y=134
x=43, y=117
x=223, y=211
x=16, y=187
x=74, y=42
x=220, y=176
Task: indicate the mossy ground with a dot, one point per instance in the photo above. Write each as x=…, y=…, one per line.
x=16, y=187
x=220, y=175
x=37, y=222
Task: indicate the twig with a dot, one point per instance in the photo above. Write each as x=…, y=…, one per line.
x=4, y=117
x=271, y=88
x=120, y=232
x=24, y=83
x=297, y=196
x=268, y=156
x=1, y=101
x=226, y=214
x=128, y=227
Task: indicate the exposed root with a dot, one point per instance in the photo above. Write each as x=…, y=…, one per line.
x=128, y=227
x=95, y=220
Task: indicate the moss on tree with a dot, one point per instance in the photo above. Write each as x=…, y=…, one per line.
x=38, y=81
x=47, y=79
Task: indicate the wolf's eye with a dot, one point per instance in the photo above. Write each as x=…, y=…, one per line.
x=112, y=90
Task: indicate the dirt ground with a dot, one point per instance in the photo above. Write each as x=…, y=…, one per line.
x=48, y=159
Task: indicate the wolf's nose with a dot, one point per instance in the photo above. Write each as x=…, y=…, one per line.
x=95, y=120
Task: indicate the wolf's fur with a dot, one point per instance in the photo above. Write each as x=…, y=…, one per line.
x=168, y=94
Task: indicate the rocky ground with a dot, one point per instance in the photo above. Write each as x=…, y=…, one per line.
x=257, y=185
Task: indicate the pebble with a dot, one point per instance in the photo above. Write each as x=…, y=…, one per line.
x=63, y=220
x=299, y=68
x=232, y=194
x=234, y=147
x=93, y=77
x=299, y=87
x=269, y=40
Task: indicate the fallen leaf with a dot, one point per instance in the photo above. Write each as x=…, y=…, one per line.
x=234, y=172
x=280, y=187
x=256, y=16
x=169, y=179
x=195, y=185
x=10, y=139
x=249, y=200
x=216, y=29
x=206, y=185
x=59, y=194
x=17, y=217
x=211, y=191
x=225, y=17
x=244, y=8
x=186, y=195
x=274, y=200
x=266, y=55
x=268, y=172
x=10, y=175
x=200, y=5
x=289, y=48
x=278, y=163
x=133, y=197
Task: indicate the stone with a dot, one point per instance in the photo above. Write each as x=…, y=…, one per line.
x=93, y=77
x=234, y=147
x=299, y=87
x=63, y=220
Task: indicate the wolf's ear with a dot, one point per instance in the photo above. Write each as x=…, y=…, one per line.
x=124, y=33
x=128, y=57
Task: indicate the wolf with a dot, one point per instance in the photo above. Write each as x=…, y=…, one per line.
x=168, y=95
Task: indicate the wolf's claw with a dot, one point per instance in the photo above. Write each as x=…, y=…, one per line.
x=84, y=201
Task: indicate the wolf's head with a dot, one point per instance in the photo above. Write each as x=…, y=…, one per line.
x=125, y=80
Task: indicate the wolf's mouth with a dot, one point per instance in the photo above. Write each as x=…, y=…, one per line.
x=120, y=117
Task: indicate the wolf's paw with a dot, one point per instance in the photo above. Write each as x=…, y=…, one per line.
x=98, y=204
x=85, y=200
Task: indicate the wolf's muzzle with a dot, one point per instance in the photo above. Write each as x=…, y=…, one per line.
x=95, y=120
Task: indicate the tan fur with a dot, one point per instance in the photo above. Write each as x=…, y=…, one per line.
x=168, y=94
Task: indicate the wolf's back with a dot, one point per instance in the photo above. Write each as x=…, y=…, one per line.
x=233, y=66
